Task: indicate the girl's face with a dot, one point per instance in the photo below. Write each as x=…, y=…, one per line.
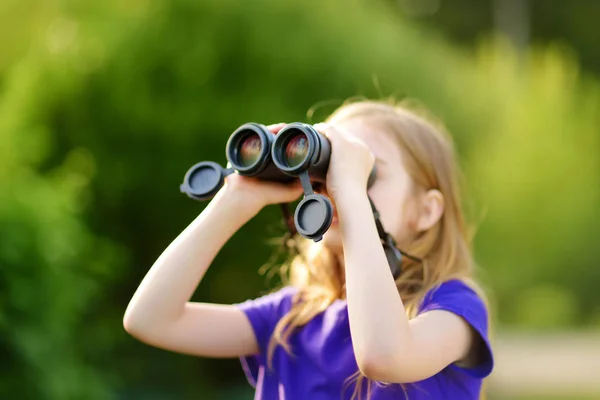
x=393, y=188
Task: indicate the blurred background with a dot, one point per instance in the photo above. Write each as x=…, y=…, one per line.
x=104, y=105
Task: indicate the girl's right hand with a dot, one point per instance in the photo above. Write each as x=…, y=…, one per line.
x=257, y=193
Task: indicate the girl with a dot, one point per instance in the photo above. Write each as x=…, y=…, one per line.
x=342, y=327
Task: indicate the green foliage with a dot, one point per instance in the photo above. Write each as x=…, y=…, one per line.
x=54, y=267
x=104, y=113
x=535, y=167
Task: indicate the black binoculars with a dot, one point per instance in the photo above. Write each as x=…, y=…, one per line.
x=298, y=151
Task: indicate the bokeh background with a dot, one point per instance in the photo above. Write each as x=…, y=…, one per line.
x=104, y=105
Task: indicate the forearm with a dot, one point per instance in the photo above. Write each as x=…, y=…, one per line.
x=172, y=280
x=378, y=320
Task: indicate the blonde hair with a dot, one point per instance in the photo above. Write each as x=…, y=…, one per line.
x=445, y=249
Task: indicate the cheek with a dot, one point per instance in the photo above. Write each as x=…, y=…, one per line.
x=410, y=216
x=389, y=206
x=397, y=213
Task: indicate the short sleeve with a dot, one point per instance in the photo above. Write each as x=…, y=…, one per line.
x=456, y=297
x=264, y=313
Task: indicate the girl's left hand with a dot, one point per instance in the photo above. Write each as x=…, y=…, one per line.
x=351, y=161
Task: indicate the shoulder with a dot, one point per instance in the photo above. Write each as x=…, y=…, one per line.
x=459, y=298
x=464, y=300
x=276, y=295
x=274, y=302
x=264, y=312
x=455, y=294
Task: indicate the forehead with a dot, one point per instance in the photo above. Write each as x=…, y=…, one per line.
x=382, y=144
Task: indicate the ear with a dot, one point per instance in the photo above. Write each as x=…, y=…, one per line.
x=432, y=209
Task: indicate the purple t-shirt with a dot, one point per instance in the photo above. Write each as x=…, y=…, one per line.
x=323, y=357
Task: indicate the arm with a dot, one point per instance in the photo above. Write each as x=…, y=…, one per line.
x=160, y=313
x=388, y=347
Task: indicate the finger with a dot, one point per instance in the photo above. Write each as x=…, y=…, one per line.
x=294, y=185
x=321, y=127
x=326, y=129
x=275, y=128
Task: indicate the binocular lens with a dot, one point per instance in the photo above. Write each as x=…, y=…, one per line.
x=296, y=150
x=250, y=150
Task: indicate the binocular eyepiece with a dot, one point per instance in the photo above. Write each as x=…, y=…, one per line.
x=298, y=151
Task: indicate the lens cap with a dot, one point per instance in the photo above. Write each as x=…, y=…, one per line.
x=313, y=216
x=203, y=180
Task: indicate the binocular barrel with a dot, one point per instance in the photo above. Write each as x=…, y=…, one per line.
x=248, y=151
x=299, y=147
x=253, y=150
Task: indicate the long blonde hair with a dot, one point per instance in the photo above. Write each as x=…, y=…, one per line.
x=445, y=249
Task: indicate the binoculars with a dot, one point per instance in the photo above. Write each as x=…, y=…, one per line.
x=298, y=151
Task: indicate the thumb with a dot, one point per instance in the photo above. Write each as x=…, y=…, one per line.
x=275, y=128
x=284, y=193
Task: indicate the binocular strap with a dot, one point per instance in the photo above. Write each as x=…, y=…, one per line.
x=393, y=254
x=288, y=218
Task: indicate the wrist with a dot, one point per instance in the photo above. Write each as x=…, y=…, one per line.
x=349, y=193
x=351, y=204
x=235, y=204
x=219, y=220
x=356, y=222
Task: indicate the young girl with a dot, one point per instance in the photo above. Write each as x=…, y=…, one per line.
x=342, y=327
